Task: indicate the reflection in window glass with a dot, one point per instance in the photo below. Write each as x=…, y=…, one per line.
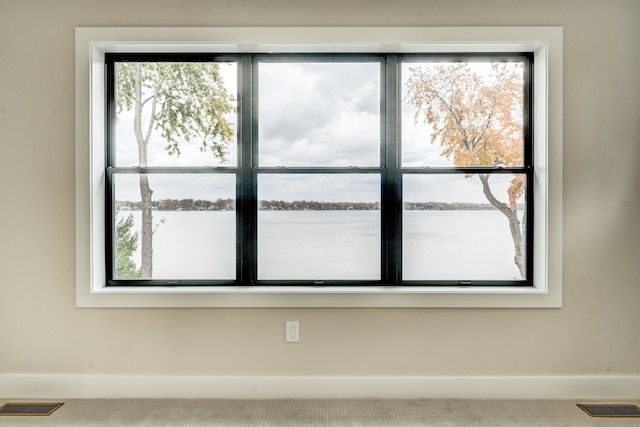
x=193, y=220
x=314, y=227
x=462, y=114
x=319, y=114
x=451, y=232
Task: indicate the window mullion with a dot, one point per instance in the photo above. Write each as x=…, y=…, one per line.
x=246, y=205
x=391, y=203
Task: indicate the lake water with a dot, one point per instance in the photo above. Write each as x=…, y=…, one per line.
x=315, y=245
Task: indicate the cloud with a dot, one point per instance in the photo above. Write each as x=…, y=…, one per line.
x=177, y=186
x=453, y=188
x=314, y=114
x=320, y=187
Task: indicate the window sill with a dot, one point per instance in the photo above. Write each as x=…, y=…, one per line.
x=321, y=297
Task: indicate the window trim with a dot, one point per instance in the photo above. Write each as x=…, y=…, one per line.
x=544, y=42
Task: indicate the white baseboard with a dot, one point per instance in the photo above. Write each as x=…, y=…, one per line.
x=214, y=387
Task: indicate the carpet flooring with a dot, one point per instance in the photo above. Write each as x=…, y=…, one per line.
x=310, y=413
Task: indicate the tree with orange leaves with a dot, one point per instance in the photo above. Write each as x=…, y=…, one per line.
x=478, y=121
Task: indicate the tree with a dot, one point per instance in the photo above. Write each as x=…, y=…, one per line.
x=478, y=122
x=126, y=245
x=183, y=101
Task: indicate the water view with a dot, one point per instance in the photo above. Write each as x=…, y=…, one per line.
x=341, y=245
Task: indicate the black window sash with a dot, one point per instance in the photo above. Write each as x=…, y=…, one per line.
x=247, y=169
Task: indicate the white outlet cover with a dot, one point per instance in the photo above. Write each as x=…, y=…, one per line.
x=292, y=331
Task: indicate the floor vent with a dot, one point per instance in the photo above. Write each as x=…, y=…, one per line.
x=611, y=411
x=29, y=409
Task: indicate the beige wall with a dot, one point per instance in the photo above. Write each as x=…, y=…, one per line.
x=596, y=333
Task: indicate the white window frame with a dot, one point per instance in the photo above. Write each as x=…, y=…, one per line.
x=546, y=45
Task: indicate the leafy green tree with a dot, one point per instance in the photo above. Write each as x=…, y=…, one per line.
x=183, y=101
x=126, y=245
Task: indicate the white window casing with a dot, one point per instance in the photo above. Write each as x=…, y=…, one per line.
x=546, y=45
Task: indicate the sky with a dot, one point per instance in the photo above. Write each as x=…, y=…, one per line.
x=310, y=114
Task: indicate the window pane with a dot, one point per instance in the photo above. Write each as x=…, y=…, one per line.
x=319, y=227
x=192, y=226
x=462, y=114
x=451, y=232
x=186, y=111
x=319, y=114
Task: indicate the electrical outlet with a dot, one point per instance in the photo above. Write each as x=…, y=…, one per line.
x=292, y=331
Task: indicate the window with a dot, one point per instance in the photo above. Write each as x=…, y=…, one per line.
x=320, y=178
x=327, y=192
